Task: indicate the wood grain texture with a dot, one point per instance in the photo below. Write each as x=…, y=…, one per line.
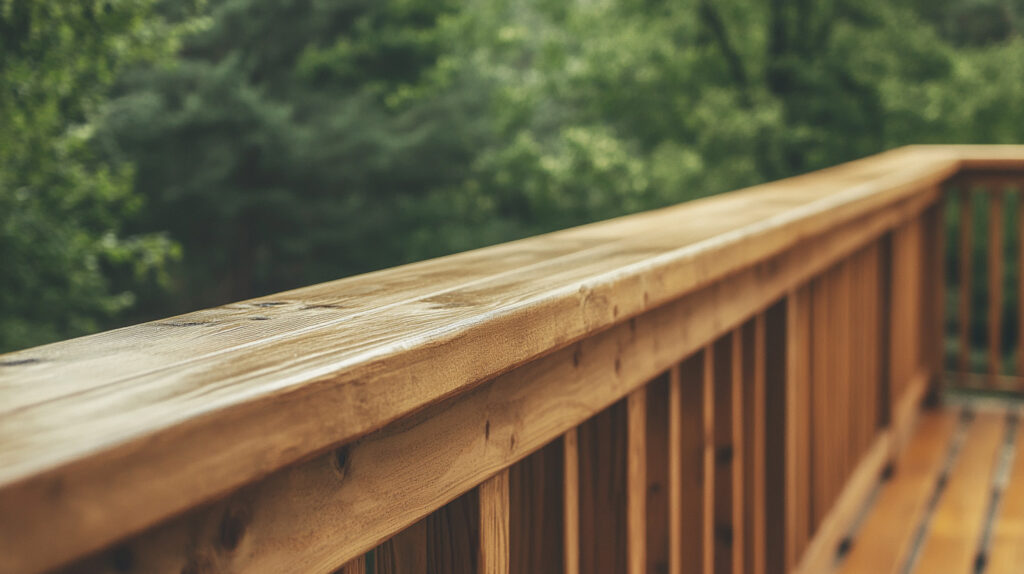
x=405, y=552
x=604, y=492
x=494, y=554
x=636, y=481
x=884, y=540
x=678, y=464
x=726, y=353
x=453, y=535
x=175, y=412
x=355, y=566
x=955, y=529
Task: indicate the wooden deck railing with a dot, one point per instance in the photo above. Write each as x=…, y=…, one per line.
x=982, y=305
x=711, y=387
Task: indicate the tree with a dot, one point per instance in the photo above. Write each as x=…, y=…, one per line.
x=67, y=267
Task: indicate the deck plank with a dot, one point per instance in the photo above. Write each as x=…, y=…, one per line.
x=884, y=540
x=1007, y=553
x=955, y=529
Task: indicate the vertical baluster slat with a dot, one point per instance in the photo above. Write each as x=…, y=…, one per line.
x=995, y=283
x=797, y=425
x=571, y=501
x=675, y=470
x=636, y=481
x=493, y=556
x=966, y=218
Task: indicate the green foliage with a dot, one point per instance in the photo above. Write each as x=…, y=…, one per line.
x=67, y=268
x=296, y=141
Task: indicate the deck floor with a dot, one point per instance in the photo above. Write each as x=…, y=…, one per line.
x=954, y=501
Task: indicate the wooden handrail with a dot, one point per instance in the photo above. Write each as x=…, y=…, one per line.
x=106, y=436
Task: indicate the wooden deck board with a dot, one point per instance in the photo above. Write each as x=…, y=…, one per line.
x=950, y=533
x=1006, y=555
x=954, y=532
x=884, y=541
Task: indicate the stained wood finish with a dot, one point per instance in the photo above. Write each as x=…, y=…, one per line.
x=636, y=479
x=493, y=557
x=1006, y=555
x=356, y=566
x=537, y=503
x=405, y=552
x=710, y=441
x=176, y=412
x=883, y=542
x=955, y=529
x=571, y=502
x=797, y=521
x=603, y=492
x=755, y=430
x=996, y=216
x=728, y=499
x=777, y=437
x=453, y=535
x=658, y=487
x=966, y=256
x=462, y=337
x=692, y=538
x=677, y=467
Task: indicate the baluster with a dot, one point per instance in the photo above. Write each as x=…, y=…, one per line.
x=754, y=443
x=995, y=284
x=797, y=423
x=493, y=557
x=676, y=458
x=966, y=220
x=636, y=481
x=571, y=501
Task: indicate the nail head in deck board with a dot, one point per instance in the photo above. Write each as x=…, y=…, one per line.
x=1006, y=554
x=954, y=532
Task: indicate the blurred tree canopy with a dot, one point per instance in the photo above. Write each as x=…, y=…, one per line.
x=287, y=142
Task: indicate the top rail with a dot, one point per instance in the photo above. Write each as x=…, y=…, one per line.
x=111, y=433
